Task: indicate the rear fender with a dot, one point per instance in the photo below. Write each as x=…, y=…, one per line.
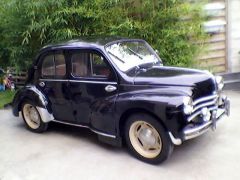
x=33, y=94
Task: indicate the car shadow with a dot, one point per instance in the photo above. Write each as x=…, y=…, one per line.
x=80, y=133
x=181, y=154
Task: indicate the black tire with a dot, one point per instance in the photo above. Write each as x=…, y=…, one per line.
x=164, y=142
x=40, y=126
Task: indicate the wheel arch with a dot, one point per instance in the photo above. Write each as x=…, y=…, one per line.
x=37, y=98
x=128, y=113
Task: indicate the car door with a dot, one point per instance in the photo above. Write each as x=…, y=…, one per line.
x=53, y=82
x=93, y=88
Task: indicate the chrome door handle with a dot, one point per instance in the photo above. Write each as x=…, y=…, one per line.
x=110, y=88
x=42, y=84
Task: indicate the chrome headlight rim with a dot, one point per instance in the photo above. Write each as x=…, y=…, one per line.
x=187, y=105
x=220, y=82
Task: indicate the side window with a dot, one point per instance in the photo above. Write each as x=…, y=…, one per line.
x=99, y=67
x=88, y=64
x=54, y=65
x=48, y=68
x=80, y=64
x=60, y=65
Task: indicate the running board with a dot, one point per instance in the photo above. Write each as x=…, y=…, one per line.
x=83, y=126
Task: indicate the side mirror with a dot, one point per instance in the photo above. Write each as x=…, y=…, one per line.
x=156, y=51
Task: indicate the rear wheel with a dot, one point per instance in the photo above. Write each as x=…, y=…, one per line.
x=32, y=118
x=147, y=139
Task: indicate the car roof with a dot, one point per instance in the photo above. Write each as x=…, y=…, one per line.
x=88, y=41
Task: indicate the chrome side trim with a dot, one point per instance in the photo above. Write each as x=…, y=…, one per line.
x=206, y=98
x=93, y=130
x=45, y=115
x=175, y=141
x=94, y=82
x=55, y=80
x=81, y=81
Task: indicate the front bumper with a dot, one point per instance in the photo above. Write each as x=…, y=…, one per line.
x=193, y=130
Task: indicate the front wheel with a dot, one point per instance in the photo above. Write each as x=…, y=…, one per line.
x=32, y=118
x=147, y=139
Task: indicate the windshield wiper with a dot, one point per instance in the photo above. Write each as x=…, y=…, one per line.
x=116, y=57
x=138, y=55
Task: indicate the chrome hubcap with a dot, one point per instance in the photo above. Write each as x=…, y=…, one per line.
x=31, y=116
x=145, y=139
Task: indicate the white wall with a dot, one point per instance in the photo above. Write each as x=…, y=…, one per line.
x=234, y=35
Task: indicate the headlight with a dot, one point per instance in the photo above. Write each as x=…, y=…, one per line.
x=187, y=105
x=220, y=83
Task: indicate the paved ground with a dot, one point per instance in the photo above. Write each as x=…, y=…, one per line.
x=65, y=152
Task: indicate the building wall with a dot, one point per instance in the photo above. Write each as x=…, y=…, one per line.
x=234, y=35
x=214, y=58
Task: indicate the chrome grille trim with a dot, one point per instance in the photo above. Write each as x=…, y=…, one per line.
x=205, y=104
x=190, y=118
x=206, y=98
x=208, y=101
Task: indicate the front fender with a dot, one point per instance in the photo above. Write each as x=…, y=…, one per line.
x=166, y=107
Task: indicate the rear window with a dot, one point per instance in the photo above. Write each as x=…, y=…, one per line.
x=48, y=67
x=54, y=65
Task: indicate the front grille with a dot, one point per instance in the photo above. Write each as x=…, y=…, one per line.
x=203, y=89
x=208, y=101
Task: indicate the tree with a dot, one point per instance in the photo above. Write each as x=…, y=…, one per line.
x=170, y=26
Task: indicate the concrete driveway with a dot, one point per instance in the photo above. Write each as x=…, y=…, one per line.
x=65, y=152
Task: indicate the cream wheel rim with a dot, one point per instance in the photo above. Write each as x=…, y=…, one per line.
x=145, y=139
x=31, y=116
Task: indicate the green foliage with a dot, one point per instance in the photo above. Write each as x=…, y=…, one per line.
x=170, y=26
x=6, y=97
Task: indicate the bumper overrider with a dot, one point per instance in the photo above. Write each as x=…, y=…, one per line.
x=209, y=110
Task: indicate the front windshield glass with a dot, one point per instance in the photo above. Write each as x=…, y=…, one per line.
x=129, y=54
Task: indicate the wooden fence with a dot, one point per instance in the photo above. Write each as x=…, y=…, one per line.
x=19, y=78
x=215, y=56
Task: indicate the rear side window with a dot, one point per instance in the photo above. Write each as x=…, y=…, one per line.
x=54, y=65
x=48, y=68
x=60, y=65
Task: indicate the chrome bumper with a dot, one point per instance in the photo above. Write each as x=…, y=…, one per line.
x=192, y=131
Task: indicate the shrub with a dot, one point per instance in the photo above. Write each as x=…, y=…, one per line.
x=170, y=26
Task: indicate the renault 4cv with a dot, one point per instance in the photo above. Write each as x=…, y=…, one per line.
x=120, y=90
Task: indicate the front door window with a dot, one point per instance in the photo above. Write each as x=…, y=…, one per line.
x=89, y=65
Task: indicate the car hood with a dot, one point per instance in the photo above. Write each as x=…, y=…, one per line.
x=202, y=81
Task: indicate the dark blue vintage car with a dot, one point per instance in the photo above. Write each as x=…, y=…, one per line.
x=119, y=89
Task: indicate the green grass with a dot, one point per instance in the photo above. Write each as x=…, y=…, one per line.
x=6, y=97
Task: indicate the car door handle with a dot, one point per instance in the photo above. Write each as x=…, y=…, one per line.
x=42, y=84
x=110, y=88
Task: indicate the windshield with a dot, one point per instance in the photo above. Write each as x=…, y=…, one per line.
x=129, y=54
